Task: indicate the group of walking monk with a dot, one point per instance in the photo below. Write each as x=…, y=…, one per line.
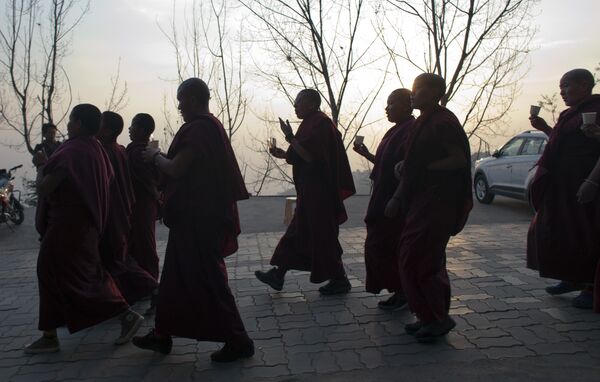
x=98, y=206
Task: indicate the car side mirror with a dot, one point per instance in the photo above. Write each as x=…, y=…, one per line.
x=496, y=154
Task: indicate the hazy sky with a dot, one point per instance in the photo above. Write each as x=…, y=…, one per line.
x=127, y=29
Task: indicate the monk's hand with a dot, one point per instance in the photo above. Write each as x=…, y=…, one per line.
x=361, y=149
x=149, y=154
x=391, y=208
x=587, y=191
x=591, y=130
x=277, y=152
x=538, y=123
x=39, y=158
x=398, y=169
x=286, y=129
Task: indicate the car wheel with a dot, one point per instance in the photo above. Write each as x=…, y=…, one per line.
x=482, y=190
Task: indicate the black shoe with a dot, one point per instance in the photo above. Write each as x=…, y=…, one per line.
x=336, y=286
x=395, y=302
x=152, y=342
x=563, y=287
x=411, y=329
x=432, y=331
x=230, y=353
x=44, y=344
x=270, y=278
x=585, y=300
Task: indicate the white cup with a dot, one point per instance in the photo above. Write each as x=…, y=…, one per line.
x=534, y=110
x=588, y=118
x=358, y=141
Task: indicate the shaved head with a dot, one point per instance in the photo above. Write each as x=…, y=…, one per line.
x=581, y=76
x=196, y=88
x=433, y=81
x=312, y=96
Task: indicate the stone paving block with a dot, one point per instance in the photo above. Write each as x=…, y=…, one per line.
x=458, y=341
x=495, y=342
x=265, y=372
x=581, y=335
x=371, y=358
x=507, y=352
x=478, y=321
x=38, y=377
x=525, y=336
x=557, y=348
x=348, y=360
x=6, y=373
x=324, y=362
x=272, y=356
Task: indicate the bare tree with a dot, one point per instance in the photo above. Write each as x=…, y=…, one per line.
x=204, y=47
x=479, y=47
x=33, y=80
x=325, y=46
x=118, y=93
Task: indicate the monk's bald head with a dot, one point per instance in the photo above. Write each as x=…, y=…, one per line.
x=434, y=82
x=84, y=120
x=195, y=87
x=581, y=76
x=398, y=105
x=576, y=86
x=193, y=96
x=307, y=102
x=111, y=125
x=428, y=90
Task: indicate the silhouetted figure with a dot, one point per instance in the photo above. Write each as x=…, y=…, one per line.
x=73, y=185
x=49, y=143
x=435, y=196
x=203, y=184
x=381, y=255
x=144, y=177
x=564, y=241
x=323, y=180
x=133, y=281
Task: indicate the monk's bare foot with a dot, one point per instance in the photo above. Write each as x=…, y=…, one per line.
x=396, y=302
x=44, y=344
x=430, y=332
x=232, y=352
x=271, y=278
x=336, y=286
x=130, y=323
x=154, y=342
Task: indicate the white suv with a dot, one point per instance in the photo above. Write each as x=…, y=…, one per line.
x=510, y=169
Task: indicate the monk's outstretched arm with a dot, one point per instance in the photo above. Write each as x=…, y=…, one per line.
x=301, y=151
x=175, y=167
x=46, y=184
x=454, y=161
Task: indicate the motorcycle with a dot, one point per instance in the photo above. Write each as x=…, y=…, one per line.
x=11, y=209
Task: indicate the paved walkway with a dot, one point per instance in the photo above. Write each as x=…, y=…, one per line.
x=508, y=328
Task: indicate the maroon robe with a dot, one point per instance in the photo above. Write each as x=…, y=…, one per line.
x=194, y=298
x=311, y=240
x=381, y=255
x=134, y=282
x=564, y=237
x=142, y=241
x=74, y=287
x=436, y=205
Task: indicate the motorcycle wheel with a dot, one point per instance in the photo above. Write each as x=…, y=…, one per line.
x=19, y=215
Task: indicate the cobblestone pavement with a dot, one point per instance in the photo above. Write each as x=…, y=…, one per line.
x=507, y=327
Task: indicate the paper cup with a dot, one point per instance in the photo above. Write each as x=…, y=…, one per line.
x=534, y=110
x=358, y=141
x=588, y=118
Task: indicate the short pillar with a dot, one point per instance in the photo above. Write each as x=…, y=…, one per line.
x=290, y=206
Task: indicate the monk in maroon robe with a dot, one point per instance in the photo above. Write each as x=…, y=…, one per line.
x=142, y=241
x=134, y=282
x=435, y=196
x=323, y=180
x=73, y=188
x=564, y=236
x=381, y=255
x=203, y=184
